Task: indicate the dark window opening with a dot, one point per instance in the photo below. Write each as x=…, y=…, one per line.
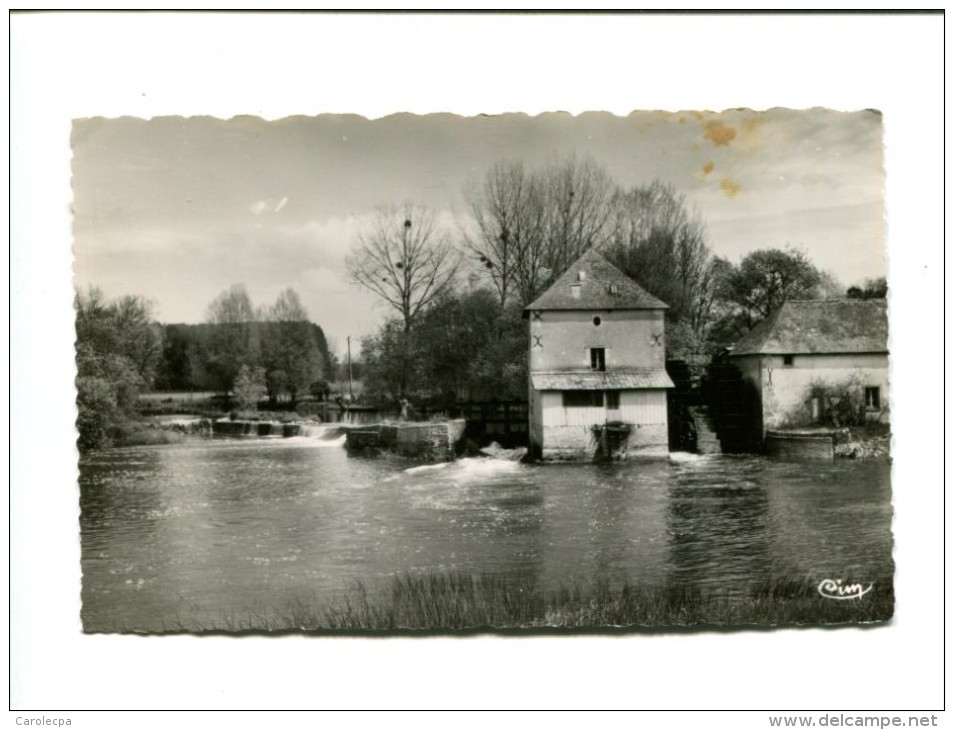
x=612, y=400
x=598, y=358
x=596, y=321
x=873, y=397
x=582, y=398
x=788, y=359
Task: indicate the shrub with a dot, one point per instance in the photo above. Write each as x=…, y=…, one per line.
x=843, y=402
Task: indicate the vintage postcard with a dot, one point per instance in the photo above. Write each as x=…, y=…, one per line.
x=482, y=373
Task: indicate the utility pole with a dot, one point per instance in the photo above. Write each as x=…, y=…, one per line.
x=350, y=379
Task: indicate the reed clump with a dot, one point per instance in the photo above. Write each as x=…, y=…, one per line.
x=464, y=601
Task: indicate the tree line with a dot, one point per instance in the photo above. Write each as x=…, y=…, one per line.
x=278, y=347
x=457, y=296
x=252, y=353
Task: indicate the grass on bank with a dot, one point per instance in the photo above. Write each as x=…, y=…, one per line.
x=452, y=601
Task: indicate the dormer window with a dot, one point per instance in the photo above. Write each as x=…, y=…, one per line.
x=575, y=291
x=581, y=276
x=614, y=289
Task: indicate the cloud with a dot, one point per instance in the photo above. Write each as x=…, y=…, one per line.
x=324, y=281
x=270, y=205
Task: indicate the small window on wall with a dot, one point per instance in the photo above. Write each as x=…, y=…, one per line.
x=582, y=398
x=598, y=358
x=612, y=400
x=788, y=360
x=873, y=397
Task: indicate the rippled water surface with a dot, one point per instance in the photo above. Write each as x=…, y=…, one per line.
x=193, y=533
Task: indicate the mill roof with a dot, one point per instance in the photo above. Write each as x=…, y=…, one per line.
x=601, y=286
x=824, y=326
x=631, y=378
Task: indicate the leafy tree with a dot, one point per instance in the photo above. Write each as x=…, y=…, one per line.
x=464, y=347
x=870, y=289
x=320, y=390
x=234, y=341
x=390, y=361
x=116, y=351
x=249, y=386
x=139, y=337
x=658, y=240
x=174, y=370
x=290, y=349
x=765, y=279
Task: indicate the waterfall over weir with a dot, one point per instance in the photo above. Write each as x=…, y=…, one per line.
x=326, y=434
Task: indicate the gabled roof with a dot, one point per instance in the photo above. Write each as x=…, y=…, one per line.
x=628, y=379
x=823, y=326
x=601, y=286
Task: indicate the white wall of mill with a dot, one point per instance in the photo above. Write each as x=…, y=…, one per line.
x=644, y=407
x=567, y=336
x=784, y=388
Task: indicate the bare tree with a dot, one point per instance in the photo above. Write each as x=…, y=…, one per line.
x=403, y=258
x=531, y=225
x=509, y=213
x=231, y=307
x=579, y=195
x=288, y=308
x=658, y=239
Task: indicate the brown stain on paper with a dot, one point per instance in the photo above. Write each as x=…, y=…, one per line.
x=707, y=168
x=730, y=187
x=719, y=134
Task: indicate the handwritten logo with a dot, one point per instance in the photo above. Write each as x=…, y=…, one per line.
x=838, y=590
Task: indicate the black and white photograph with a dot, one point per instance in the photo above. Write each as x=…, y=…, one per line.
x=495, y=372
x=476, y=360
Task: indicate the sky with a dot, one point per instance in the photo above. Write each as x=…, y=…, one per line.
x=177, y=209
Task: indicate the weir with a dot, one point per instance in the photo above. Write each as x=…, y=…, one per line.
x=432, y=441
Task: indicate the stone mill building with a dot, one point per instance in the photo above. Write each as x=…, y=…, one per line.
x=598, y=377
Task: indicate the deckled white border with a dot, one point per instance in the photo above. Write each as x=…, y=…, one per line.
x=66, y=66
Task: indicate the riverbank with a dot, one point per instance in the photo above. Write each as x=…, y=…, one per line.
x=174, y=428
x=459, y=601
x=871, y=441
x=865, y=442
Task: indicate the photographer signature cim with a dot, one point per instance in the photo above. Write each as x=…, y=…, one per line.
x=838, y=590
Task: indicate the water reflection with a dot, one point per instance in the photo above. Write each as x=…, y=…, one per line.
x=197, y=532
x=717, y=524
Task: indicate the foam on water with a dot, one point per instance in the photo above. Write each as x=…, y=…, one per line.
x=462, y=471
x=479, y=469
x=686, y=457
x=330, y=436
x=427, y=467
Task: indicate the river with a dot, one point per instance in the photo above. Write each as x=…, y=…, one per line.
x=192, y=535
